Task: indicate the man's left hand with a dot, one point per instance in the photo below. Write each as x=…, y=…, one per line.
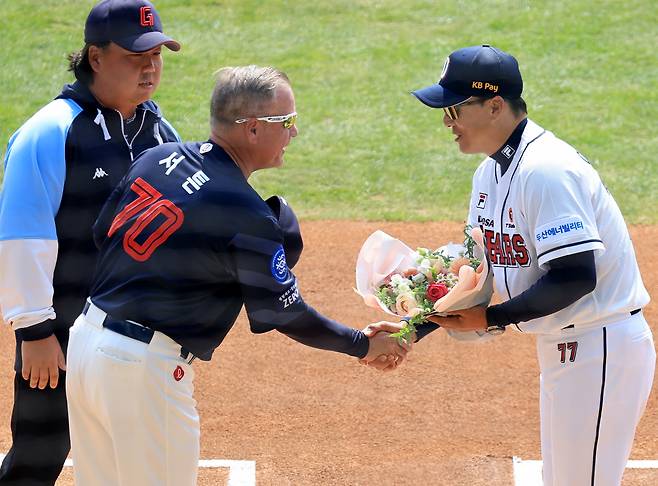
x=473, y=319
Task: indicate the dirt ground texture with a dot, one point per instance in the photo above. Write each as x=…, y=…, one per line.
x=454, y=414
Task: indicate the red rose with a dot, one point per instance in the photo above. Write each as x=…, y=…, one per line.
x=435, y=291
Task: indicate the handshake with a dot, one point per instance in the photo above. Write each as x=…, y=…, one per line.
x=386, y=352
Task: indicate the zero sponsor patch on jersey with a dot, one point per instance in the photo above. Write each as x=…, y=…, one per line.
x=559, y=229
x=290, y=296
x=279, y=266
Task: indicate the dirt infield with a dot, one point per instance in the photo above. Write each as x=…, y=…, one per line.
x=455, y=414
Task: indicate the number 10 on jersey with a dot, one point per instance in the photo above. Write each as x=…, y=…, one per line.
x=149, y=201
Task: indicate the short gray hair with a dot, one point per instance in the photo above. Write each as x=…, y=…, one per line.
x=243, y=91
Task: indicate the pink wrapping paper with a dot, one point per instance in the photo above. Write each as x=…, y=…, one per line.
x=382, y=255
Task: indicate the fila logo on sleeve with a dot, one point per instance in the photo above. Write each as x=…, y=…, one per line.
x=482, y=201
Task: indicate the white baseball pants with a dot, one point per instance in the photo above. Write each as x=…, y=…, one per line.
x=594, y=386
x=132, y=414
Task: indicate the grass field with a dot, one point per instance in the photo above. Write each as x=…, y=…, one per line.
x=367, y=149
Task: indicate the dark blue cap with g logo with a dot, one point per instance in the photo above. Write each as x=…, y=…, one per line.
x=132, y=24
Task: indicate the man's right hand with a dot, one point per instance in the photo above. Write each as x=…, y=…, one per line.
x=42, y=360
x=385, y=352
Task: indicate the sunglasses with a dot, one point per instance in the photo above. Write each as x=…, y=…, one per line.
x=452, y=112
x=287, y=120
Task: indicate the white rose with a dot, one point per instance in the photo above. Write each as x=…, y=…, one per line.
x=396, y=279
x=404, y=303
x=418, y=278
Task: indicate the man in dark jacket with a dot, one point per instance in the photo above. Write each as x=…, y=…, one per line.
x=60, y=167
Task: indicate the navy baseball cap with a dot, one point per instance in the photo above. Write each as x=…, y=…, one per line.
x=132, y=24
x=481, y=71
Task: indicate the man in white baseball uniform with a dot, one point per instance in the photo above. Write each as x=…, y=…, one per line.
x=564, y=263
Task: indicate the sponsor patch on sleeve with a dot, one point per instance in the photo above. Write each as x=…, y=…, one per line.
x=279, y=266
x=557, y=230
x=290, y=296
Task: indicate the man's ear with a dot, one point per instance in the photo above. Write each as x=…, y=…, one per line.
x=95, y=55
x=496, y=106
x=252, y=129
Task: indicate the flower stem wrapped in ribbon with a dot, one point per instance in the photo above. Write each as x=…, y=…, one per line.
x=417, y=284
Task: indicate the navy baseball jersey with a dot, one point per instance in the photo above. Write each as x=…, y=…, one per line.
x=185, y=241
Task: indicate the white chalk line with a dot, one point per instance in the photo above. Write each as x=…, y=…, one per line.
x=241, y=473
x=528, y=473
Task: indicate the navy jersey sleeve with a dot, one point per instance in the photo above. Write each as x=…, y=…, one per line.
x=568, y=279
x=168, y=132
x=271, y=294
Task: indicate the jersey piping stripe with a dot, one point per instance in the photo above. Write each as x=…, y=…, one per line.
x=502, y=210
x=598, y=422
x=569, y=246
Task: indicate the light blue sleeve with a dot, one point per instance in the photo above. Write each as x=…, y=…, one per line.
x=35, y=171
x=171, y=128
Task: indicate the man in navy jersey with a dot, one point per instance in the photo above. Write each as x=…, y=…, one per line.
x=60, y=167
x=185, y=242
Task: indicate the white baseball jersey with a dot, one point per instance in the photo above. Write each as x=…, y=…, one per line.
x=548, y=204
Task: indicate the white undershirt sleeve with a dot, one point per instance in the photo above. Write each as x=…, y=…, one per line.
x=26, y=291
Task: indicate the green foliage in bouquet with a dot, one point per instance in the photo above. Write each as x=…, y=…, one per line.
x=415, y=291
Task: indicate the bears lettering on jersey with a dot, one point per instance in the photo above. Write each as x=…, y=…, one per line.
x=506, y=250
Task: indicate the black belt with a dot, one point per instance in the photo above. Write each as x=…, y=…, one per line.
x=633, y=312
x=133, y=331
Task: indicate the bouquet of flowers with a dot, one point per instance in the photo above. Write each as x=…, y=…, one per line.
x=418, y=284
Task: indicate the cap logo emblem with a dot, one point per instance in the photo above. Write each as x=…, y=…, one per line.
x=486, y=86
x=445, y=68
x=146, y=17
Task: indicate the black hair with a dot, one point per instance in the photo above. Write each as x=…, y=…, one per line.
x=517, y=105
x=79, y=63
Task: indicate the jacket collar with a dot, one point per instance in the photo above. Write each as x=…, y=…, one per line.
x=81, y=94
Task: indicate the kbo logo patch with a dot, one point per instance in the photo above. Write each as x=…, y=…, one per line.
x=279, y=266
